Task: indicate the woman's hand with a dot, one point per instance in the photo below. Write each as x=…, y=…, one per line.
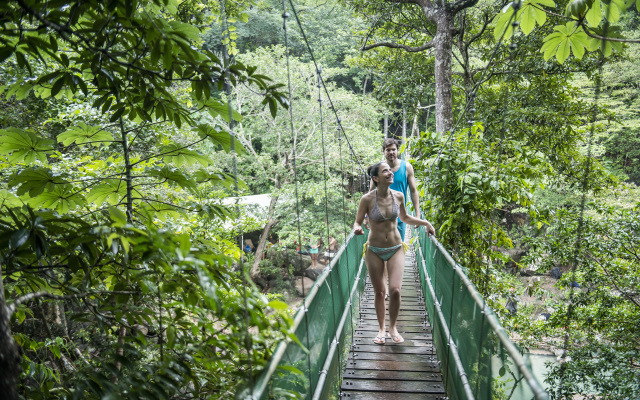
x=357, y=229
x=430, y=229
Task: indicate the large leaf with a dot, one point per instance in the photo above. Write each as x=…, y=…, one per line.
x=179, y=156
x=594, y=15
x=62, y=198
x=35, y=181
x=226, y=180
x=565, y=39
x=83, y=134
x=216, y=108
x=8, y=199
x=172, y=175
x=111, y=191
x=221, y=138
x=23, y=145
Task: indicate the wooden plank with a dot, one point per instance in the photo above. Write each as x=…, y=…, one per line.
x=394, y=365
x=354, y=395
x=403, y=326
x=392, y=375
x=392, y=386
x=399, y=357
x=407, y=348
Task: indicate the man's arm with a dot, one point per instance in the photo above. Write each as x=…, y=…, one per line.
x=413, y=189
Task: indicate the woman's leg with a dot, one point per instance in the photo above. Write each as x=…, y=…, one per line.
x=395, y=265
x=375, y=265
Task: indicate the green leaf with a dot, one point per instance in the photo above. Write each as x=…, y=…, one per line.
x=221, y=138
x=8, y=199
x=594, y=15
x=24, y=145
x=111, y=191
x=278, y=305
x=567, y=38
x=187, y=31
x=35, y=180
x=527, y=19
x=172, y=176
x=216, y=108
x=612, y=12
x=84, y=133
x=226, y=180
x=502, y=23
x=61, y=198
x=548, y=3
x=171, y=336
x=180, y=156
x=117, y=216
x=6, y=52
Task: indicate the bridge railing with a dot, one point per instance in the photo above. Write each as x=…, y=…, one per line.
x=323, y=325
x=478, y=359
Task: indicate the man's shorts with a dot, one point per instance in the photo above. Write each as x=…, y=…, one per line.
x=401, y=228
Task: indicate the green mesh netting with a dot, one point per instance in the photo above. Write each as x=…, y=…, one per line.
x=482, y=351
x=327, y=306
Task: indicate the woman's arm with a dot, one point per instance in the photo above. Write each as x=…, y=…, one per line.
x=411, y=220
x=362, y=211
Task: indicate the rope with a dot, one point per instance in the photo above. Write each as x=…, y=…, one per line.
x=285, y=15
x=247, y=342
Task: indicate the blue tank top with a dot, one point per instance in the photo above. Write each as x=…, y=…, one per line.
x=400, y=180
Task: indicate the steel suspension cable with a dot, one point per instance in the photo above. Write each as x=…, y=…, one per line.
x=332, y=106
x=285, y=15
x=516, y=6
x=248, y=340
x=585, y=182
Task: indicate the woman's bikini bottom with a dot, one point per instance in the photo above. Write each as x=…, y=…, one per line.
x=384, y=253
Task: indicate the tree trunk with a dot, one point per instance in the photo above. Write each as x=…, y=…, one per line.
x=443, y=42
x=255, y=268
x=10, y=368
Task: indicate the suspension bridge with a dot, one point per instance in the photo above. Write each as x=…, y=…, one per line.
x=454, y=344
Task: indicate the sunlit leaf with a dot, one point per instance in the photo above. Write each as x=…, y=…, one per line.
x=83, y=133
x=21, y=145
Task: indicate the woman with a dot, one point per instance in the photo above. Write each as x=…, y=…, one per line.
x=384, y=206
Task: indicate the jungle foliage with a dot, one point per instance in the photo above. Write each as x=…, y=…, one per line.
x=119, y=275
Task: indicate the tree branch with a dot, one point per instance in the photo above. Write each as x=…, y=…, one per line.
x=39, y=295
x=392, y=45
x=460, y=5
x=608, y=39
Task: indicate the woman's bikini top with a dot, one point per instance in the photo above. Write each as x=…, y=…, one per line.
x=376, y=214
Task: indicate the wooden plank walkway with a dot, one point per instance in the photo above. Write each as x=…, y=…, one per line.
x=407, y=371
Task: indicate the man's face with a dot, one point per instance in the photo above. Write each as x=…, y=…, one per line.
x=391, y=153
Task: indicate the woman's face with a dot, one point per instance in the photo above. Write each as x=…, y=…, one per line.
x=385, y=174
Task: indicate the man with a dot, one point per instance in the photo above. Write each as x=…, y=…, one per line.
x=403, y=178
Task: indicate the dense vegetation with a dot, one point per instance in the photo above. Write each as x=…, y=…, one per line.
x=124, y=126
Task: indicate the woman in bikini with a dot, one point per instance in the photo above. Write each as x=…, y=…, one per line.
x=384, y=206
